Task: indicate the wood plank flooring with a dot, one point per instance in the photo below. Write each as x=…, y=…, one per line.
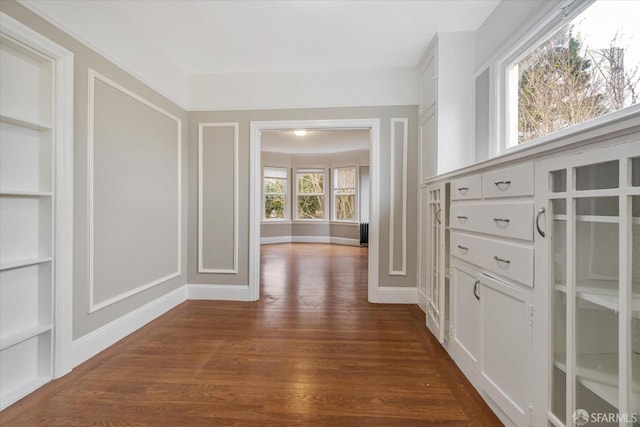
x=311, y=352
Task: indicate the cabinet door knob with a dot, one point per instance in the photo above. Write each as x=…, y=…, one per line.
x=476, y=293
x=438, y=216
x=540, y=212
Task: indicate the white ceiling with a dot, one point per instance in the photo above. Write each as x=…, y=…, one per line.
x=315, y=141
x=199, y=36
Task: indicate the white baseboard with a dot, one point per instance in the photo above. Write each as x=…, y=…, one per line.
x=309, y=239
x=345, y=241
x=397, y=295
x=94, y=342
x=273, y=240
x=219, y=292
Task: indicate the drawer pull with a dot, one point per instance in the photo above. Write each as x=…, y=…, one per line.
x=438, y=216
x=497, y=258
x=504, y=221
x=463, y=248
x=475, y=290
x=463, y=190
x=462, y=217
x=500, y=183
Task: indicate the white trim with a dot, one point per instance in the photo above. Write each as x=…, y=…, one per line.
x=255, y=192
x=218, y=292
x=294, y=182
x=62, y=62
x=397, y=295
x=201, y=268
x=309, y=239
x=275, y=240
x=90, y=172
x=98, y=340
x=287, y=196
x=392, y=197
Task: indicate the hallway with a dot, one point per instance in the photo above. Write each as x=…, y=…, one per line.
x=311, y=352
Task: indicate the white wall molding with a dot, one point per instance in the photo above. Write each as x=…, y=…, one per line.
x=93, y=306
x=275, y=240
x=345, y=241
x=201, y=267
x=219, y=292
x=63, y=61
x=98, y=340
x=397, y=295
x=255, y=195
x=392, y=197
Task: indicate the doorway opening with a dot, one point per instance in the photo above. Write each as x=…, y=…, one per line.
x=259, y=137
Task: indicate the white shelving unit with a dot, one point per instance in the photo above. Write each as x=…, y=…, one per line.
x=27, y=201
x=592, y=253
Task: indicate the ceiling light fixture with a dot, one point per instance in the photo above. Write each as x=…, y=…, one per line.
x=300, y=132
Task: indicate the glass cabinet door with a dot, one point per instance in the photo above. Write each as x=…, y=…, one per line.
x=593, y=242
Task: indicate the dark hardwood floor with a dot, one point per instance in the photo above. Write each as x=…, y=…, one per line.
x=311, y=352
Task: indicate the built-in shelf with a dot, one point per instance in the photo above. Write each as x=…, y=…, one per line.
x=25, y=193
x=599, y=373
x=591, y=218
x=18, y=121
x=24, y=263
x=603, y=293
x=17, y=338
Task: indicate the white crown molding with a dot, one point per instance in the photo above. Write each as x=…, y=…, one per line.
x=392, y=197
x=201, y=266
x=93, y=306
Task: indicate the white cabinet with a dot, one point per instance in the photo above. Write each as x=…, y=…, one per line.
x=492, y=281
x=434, y=286
x=506, y=323
x=446, y=88
x=588, y=276
x=464, y=343
x=32, y=73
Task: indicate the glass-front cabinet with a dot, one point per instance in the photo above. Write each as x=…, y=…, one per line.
x=588, y=276
x=434, y=288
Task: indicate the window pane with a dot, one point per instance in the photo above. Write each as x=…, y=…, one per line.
x=310, y=207
x=345, y=208
x=586, y=69
x=274, y=207
x=345, y=177
x=310, y=183
x=273, y=185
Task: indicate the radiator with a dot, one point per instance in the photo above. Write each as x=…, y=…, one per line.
x=364, y=234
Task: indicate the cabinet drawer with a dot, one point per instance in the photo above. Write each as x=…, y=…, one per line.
x=504, y=258
x=508, y=182
x=513, y=220
x=466, y=188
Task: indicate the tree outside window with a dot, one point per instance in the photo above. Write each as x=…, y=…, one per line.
x=310, y=193
x=275, y=193
x=344, y=194
x=586, y=69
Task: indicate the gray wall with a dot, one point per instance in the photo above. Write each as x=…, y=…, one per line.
x=132, y=196
x=243, y=118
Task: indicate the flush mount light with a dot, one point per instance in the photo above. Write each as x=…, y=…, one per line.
x=300, y=132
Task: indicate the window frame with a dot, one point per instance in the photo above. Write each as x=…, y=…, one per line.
x=505, y=121
x=356, y=194
x=287, y=198
x=325, y=182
